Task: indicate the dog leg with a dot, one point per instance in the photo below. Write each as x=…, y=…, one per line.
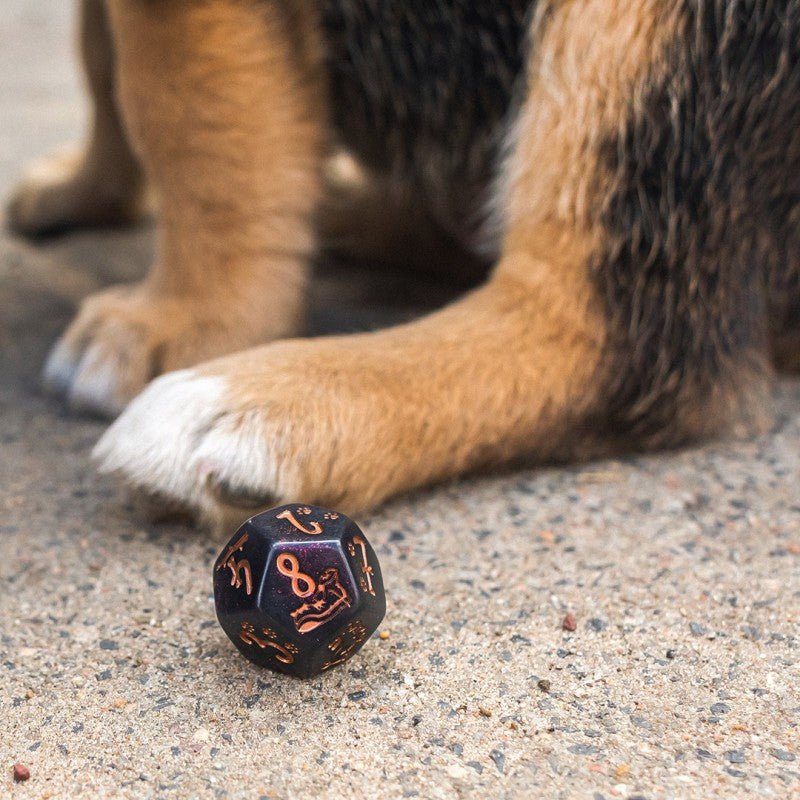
x=348, y=421
x=563, y=351
x=224, y=107
x=103, y=184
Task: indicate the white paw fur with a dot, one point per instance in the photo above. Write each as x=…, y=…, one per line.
x=184, y=437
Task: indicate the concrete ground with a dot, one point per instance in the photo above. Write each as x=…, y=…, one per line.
x=682, y=570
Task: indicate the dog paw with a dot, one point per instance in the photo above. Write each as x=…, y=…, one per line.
x=296, y=420
x=192, y=441
x=60, y=193
x=124, y=337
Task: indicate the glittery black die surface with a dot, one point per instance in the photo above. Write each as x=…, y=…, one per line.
x=298, y=589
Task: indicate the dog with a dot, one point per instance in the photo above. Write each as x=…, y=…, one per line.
x=629, y=168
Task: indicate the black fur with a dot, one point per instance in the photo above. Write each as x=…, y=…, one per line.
x=421, y=89
x=702, y=221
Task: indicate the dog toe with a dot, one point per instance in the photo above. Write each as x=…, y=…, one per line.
x=60, y=368
x=97, y=385
x=98, y=366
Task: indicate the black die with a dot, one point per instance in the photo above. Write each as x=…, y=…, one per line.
x=298, y=589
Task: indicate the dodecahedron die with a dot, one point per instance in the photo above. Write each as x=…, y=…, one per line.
x=298, y=589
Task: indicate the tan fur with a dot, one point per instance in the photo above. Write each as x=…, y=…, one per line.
x=237, y=199
x=101, y=183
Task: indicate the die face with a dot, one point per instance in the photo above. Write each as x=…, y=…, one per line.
x=300, y=523
x=265, y=646
x=310, y=587
x=238, y=576
x=238, y=571
x=364, y=566
x=315, y=590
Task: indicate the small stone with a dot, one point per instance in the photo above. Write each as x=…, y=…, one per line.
x=736, y=773
x=720, y=708
x=735, y=756
x=671, y=654
x=499, y=760
x=597, y=625
x=457, y=771
x=782, y=755
x=29, y=694
x=356, y=696
x=583, y=749
x=544, y=685
x=485, y=712
x=622, y=772
x=570, y=623
x=21, y=773
x=383, y=635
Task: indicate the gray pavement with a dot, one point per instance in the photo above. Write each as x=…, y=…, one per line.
x=683, y=571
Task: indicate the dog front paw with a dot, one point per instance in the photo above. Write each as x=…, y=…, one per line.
x=296, y=420
x=125, y=337
x=193, y=441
